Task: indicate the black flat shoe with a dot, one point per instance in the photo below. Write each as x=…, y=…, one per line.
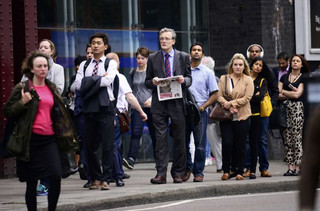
x=126, y=176
x=119, y=182
x=288, y=173
x=87, y=185
x=295, y=173
x=252, y=176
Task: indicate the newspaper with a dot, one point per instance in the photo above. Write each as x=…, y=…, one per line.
x=169, y=88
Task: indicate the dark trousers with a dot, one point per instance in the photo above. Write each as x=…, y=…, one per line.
x=83, y=148
x=99, y=128
x=253, y=141
x=177, y=127
x=53, y=196
x=137, y=131
x=233, y=134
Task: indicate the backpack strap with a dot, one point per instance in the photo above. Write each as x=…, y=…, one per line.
x=106, y=65
x=85, y=66
x=116, y=89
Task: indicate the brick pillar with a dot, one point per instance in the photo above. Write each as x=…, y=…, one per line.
x=7, y=166
x=18, y=23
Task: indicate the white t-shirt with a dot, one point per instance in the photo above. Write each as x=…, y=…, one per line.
x=124, y=88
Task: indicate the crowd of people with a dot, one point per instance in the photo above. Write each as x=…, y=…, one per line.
x=99, y=93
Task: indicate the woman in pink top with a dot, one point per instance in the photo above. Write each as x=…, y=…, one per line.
x=36, y=104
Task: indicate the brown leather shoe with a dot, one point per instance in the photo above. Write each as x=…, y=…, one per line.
x=225, y=176
x=95, y=185
x=158, y=180
x=104, y=186
x=239, y=177
x=177, y=179
x=247, y=173
x=198, y=178
x=265, y=173
x=186, y=175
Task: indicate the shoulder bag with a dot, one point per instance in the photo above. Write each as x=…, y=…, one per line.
x=15, y=144
x=265, y=104
x=218, y=113
x=124, y=120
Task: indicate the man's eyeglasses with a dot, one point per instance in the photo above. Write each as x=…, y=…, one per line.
x=164, y=39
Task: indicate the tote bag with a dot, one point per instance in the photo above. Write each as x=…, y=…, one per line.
x=265, y=104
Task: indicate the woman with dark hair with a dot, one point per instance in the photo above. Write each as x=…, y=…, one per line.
x=259, y=74
x=143, y=94
x=291, y=88
x=38, y=109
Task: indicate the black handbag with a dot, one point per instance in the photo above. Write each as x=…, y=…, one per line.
x=278, y=117
x=193, y=113
x=4, y=153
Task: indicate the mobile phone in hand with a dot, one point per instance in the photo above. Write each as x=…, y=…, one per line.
x=291, y=86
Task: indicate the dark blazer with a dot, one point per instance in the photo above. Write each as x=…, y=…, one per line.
x=93, y=95
x=155, y=68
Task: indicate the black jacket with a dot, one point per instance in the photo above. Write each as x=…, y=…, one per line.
x=94, y=97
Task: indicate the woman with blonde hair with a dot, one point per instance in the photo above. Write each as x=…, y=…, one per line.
x=239, y=87
x=56, y=71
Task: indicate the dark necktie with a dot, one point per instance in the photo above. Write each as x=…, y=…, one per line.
x=167, y=65
x=95, y=69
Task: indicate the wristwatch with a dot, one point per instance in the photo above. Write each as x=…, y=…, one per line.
x=201, y=109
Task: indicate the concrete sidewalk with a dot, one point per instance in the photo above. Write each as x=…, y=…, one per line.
x=139, y=190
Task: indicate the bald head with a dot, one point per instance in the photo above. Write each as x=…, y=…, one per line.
x=115, y=57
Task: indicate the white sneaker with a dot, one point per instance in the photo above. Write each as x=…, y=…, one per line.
x=208, y=161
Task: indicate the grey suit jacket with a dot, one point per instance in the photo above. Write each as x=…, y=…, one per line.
x=155, y=68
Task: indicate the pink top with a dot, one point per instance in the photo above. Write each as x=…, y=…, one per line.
x=43, y=123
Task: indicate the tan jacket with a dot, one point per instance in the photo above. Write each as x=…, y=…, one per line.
x=241, y=94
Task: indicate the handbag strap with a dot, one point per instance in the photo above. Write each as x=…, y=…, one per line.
x=267, y=93
x=226, y=90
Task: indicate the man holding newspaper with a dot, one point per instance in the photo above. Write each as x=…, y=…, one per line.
x=166, y=63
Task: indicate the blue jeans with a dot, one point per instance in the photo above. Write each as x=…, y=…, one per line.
x=137, y=131
x=199, y=135
x=208, y=155
x=117, y=156
x=262, y=146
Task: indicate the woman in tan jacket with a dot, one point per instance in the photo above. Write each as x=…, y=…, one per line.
x=240, y=90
